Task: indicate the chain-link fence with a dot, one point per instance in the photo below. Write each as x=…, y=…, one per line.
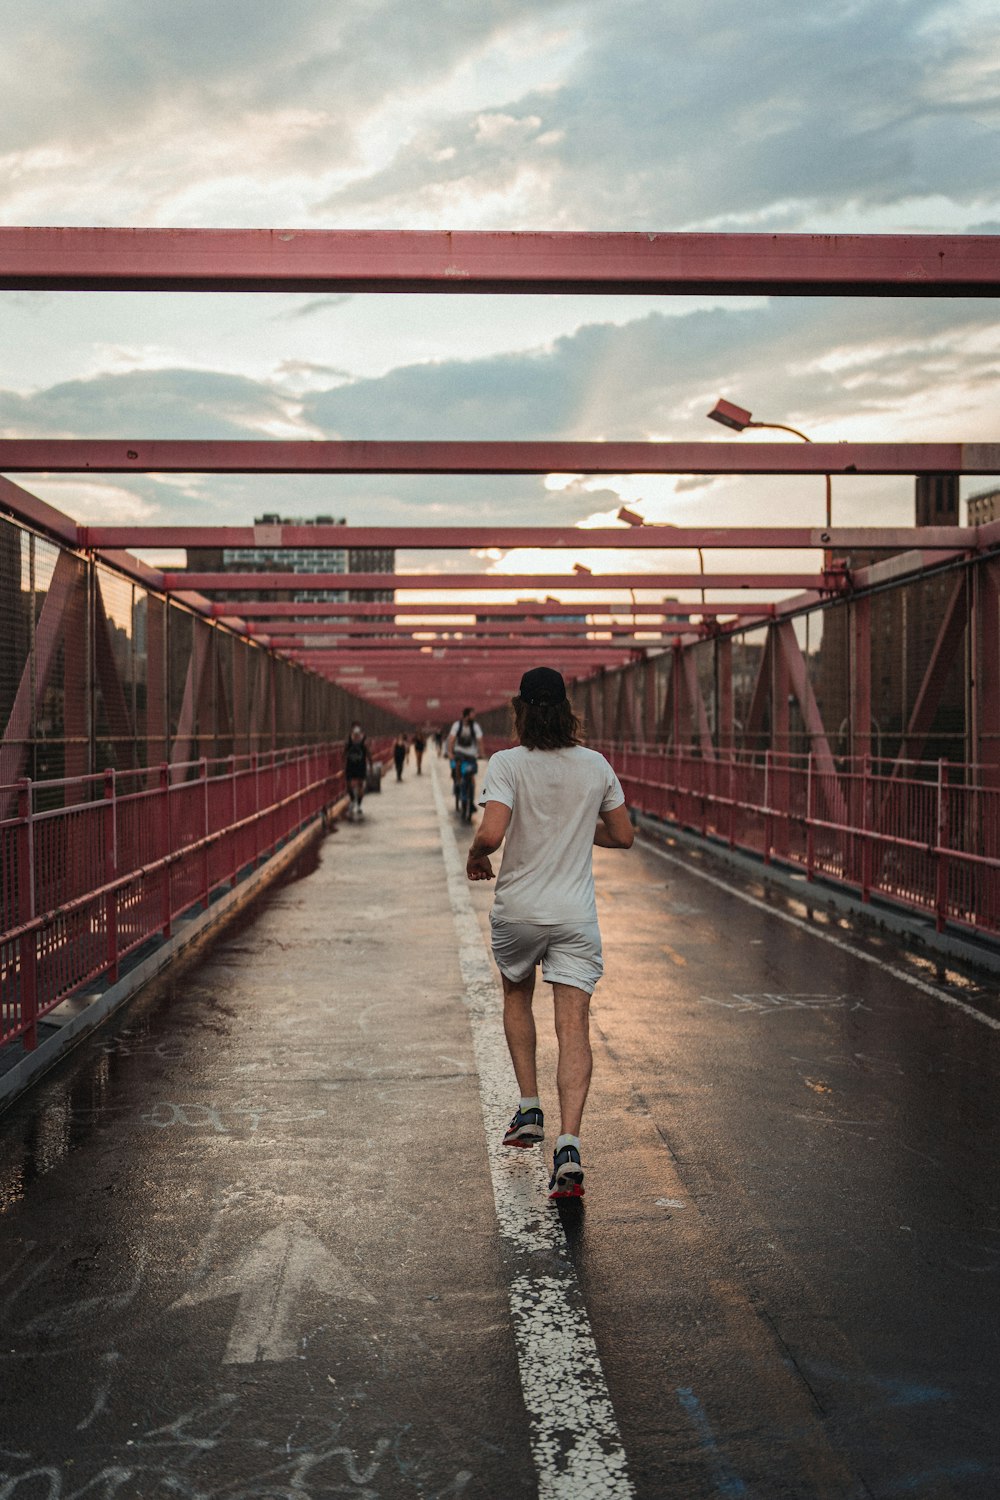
x=98, y=671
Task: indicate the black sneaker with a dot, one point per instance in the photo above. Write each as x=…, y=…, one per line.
x=567, y=1174
x=526, y=1128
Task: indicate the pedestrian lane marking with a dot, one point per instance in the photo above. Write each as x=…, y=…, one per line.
x=826, y=937
x=573, y=1431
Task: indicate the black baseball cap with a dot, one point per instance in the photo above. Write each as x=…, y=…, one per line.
x=542, y=687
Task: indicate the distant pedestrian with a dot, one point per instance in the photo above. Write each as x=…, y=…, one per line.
x=400, y=751
x=553, y=799
x=465, y=747
x=357, y=763
x=419, y=746
x=465, y=735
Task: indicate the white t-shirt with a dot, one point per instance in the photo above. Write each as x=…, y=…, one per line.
x=474, y=744
x=555, y=797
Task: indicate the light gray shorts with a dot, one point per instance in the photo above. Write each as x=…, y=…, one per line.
x=569, y=953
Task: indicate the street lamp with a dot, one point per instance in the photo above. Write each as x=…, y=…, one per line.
x=631, y=517
x=738, y=418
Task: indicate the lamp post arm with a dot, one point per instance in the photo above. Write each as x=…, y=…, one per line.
x=782, y=427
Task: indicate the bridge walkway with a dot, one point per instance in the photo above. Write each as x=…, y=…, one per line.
x=258, y=1238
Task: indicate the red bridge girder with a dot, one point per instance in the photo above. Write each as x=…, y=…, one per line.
x=475, y=582
x=444, y=611
x=363, y=456
x=439, y=538
x=296, y=260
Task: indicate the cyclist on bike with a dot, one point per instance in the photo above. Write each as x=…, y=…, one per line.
x=464, y=748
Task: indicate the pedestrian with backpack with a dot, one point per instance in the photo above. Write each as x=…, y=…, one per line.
x=464, y=748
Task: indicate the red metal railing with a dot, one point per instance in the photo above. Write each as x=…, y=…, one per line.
x=925, y=835
x=124, y=854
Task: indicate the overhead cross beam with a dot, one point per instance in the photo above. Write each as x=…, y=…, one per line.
x=475, y=582
x=470, y=647
x=438, y=538
x=448, y=611
x=363, y=456
x=434, y=630
x=486, y=261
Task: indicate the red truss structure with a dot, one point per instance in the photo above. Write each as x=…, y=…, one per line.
x=838, y=708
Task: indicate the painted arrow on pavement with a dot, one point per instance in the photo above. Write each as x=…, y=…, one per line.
x=268, y=1279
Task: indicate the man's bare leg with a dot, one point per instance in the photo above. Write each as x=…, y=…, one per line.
x=572, y=1008
x=519, y=1029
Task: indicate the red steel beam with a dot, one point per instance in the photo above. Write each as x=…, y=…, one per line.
x=432, y=538
x=295, y=260
x=440, y=675
x=447, y=635
x=28, y=508
x=527, y=609
x=389, y=668
x=289, y=583
x=377, y=456
x=470, y=643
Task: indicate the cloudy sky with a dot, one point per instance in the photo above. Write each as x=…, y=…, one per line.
x=857, y=115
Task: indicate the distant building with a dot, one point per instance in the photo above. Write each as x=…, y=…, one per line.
x=297, y=560
x=292, y=559
x=984, y=508
x=936, y=500
x=371, y=560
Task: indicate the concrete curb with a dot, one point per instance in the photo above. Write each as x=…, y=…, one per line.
x=918, y=931
x=80, y=1014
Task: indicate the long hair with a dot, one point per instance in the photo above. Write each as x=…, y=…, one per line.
x=552, y=727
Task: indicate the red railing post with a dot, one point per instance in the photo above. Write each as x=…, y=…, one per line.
x=941, y=902
x=810, y=831
x=28, y=942
x=166, y=848
x=111, y=871
x=867, y=828
x=732, y=799
x=203, y=770
x=234, y=865
x=25, y=851
x=768, y=815
x=255, y=767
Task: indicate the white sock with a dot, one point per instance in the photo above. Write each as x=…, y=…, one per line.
x=568, y=1140
x=533, y=1103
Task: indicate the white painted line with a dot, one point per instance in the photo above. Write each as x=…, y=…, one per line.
x=826, y=937
x=575, y=1442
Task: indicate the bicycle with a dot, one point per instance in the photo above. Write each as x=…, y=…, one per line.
x=465, y=787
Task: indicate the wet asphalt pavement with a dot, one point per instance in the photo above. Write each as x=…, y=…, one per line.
x=249, y=1244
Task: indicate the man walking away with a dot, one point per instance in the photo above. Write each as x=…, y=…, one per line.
x=357, y=761
x=553, y=799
